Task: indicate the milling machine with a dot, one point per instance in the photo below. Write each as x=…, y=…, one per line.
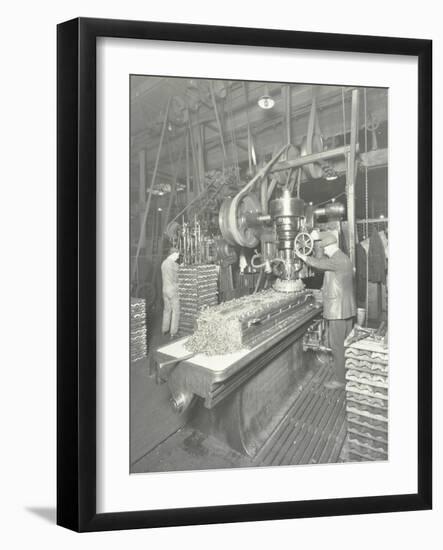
x=240, y=396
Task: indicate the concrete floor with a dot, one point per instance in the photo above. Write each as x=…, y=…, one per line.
x=151, y=418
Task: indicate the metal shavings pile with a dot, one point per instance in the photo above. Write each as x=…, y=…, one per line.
x=219, y=328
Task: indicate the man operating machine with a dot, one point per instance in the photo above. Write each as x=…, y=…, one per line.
x=339, y=307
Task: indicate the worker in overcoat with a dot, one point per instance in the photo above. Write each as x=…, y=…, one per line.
x=171, y=303
x=339, y=304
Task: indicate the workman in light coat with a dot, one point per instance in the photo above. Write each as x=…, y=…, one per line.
x=171, y=308
x=339, y=306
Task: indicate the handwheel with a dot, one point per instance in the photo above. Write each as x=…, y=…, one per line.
x=303, y=243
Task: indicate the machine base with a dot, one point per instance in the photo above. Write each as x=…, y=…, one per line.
x=246, y=418
x=312, y=431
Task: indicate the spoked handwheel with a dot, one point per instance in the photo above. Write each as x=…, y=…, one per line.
x=304, y=243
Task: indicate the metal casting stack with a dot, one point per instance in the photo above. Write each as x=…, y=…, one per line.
x=139, y=346
x=198, y=289
x=367, y=398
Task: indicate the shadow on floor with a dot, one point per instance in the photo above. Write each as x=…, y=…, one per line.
x=46, y=513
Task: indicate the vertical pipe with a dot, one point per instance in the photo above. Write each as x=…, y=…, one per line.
x=249, y=128
x=142, y=190
x=188, y=174
x=351, y=173
x=203, y=147
x=287, y=96
x=195, y=164
x=201, y=154
x=165, y=217
x=264, y=195
x=217, y=118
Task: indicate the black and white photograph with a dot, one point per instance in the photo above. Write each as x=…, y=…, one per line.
x=221, y=283
x=259, y=231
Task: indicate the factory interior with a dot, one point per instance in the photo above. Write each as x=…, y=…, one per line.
x=239, y=191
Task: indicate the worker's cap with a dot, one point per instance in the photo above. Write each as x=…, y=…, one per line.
x=327, y=238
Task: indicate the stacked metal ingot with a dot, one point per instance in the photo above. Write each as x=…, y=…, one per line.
x=367, y=398
x=139, y=346
x=198, y=287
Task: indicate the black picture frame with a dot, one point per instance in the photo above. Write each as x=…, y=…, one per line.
x=76, y=279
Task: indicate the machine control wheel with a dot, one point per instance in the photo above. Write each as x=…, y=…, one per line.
x=304, y=243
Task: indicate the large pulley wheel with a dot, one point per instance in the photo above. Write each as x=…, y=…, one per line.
x=313, y=170
x=304, y=243
x=236, y=220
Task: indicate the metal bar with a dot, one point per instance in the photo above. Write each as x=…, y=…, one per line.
x=351, y=174
x=142, y=189
x=188, y=174
x=271, y=187
x=264, y=195
x=154, y=176
x=202, y=141
x=372, y=220
x=217, y=117
x=195, y=165
x=308, y=159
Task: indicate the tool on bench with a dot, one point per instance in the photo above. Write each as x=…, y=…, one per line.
x=172, y=363
x=177, y=360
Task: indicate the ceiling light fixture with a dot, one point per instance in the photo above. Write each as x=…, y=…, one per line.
x=266, y=101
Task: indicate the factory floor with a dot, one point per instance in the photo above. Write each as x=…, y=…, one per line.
x=312, y=431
